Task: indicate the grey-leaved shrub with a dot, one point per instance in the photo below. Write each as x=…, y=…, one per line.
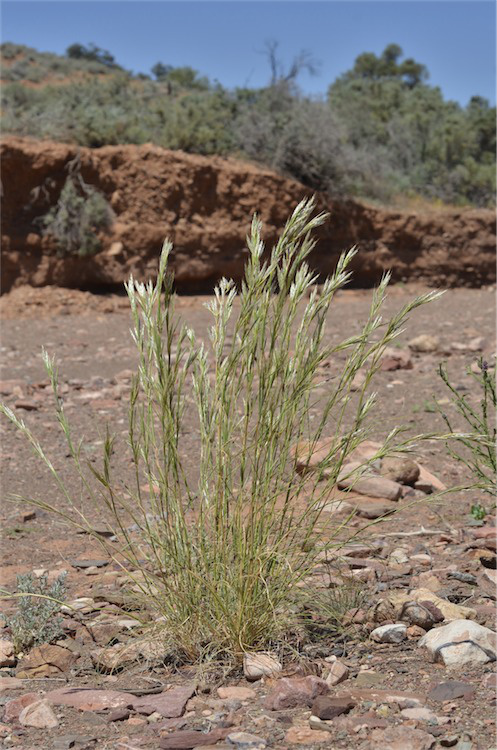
x=37, y=619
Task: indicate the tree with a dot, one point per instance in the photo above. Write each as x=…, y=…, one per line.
x=281, y=75
x=161, y=71
x=92, y=52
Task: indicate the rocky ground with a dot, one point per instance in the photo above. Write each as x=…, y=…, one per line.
x=413, y=667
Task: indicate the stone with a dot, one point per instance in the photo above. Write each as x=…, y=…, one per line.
x=403, y=470
x=400, y=738
x=258, y=665
x=326, y=707
x=424, y=343
x=14, y=707
x=418, y=615
x=392, y=608
x=46, y=660
x=373, y=487
x=306, y=735
x=395, y=633
x=88, y=699
x=170, y=704
x=244, y=740
x=395, y=359
x=399, y=556
x=450, y=690
x=377, y=695
x=419, y=714
x=338, y=673
x=430, y=482
x=367, y=678
x=39, y=715
x=461, y=642
x=7, y=656
x=10, y=683
x=236, y=693
x=185, y=739
x=296, y=691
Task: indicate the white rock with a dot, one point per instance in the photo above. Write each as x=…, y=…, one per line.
x=39, y=715
x=399, y=556
x=461, y=642
x=424, y=343
x=390, y=633
x=257, y=665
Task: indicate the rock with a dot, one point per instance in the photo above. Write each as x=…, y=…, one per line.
x=373, y=487
x=461, y=642
x=257, y=665
x=428, y=482
x=377, y=695
x=367, y=678
x=10, y=683
x=236, y=693
x=424, y=343
x=400, y=738
x=417, y=614
x=419, y=714
x=306, y=735
x=490, y=681
x=297, y=691
x=309, y=457
x=326, y=707
x=402, y=470
x=170, y=704
x=399, y=556
x=14, y=707
x=7, y=657
x=338, y=673
x=395, y=633
x=392, y=608
x=450, y=690
x=39, y=715
x=28, y=404
x=244, y=740
x=88, y=699
x=46, y=660
x=395, y=359
x=187, y=739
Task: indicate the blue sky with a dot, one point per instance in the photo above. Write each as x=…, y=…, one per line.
x=455, y=39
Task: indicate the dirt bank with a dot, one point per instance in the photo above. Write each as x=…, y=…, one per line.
x=204, y=205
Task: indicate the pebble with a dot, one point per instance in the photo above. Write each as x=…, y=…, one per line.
x=243, y=740
x=338, y=673
x=292, y=692
x=326, y=707
x=7, y=656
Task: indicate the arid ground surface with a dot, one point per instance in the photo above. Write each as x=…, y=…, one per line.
x=90, y=336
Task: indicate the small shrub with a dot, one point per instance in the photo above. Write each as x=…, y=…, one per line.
x=476, y=448
x=37, y=619
x=80, y=212
x=219, y=559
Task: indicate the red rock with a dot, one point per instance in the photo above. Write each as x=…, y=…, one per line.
x=448, y=691
x=326, y=707
x=185, y=739
x=46, y=660
x=400, y=738
x=170, y=704
x=292, y=692
x=88, y=699
x=304, y=735
x=402, y=699
x=14, y=707
x=373, y=487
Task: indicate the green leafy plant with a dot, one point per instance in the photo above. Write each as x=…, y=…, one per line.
x=476, y=448
x=79, y=214
x=37, y=619
x=219, y=558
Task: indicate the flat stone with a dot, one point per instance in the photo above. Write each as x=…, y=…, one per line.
x=236, y=693
x=89, y=699
x=419, y=714
x=461, y=642
x=395, y=359
x=187, y=739
x=326, y=707
x=450, y=690
x=400, y=738
x=39, y=715
x=10, y=683
x=170, y=704
x=395, y=633
x=377, y=695
x=373, y=487
x=244, y=740
x=88, y=563
x=306, y=735
x=368, y=678
x=296, y=691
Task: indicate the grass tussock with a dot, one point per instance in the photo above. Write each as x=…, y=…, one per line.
x=221, y=560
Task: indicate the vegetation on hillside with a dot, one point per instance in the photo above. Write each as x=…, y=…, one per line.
x=381, y=131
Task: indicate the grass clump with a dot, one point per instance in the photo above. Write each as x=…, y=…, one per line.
x=80, y=213
x=475, y=448
x=37, y=619
x=220, y=558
